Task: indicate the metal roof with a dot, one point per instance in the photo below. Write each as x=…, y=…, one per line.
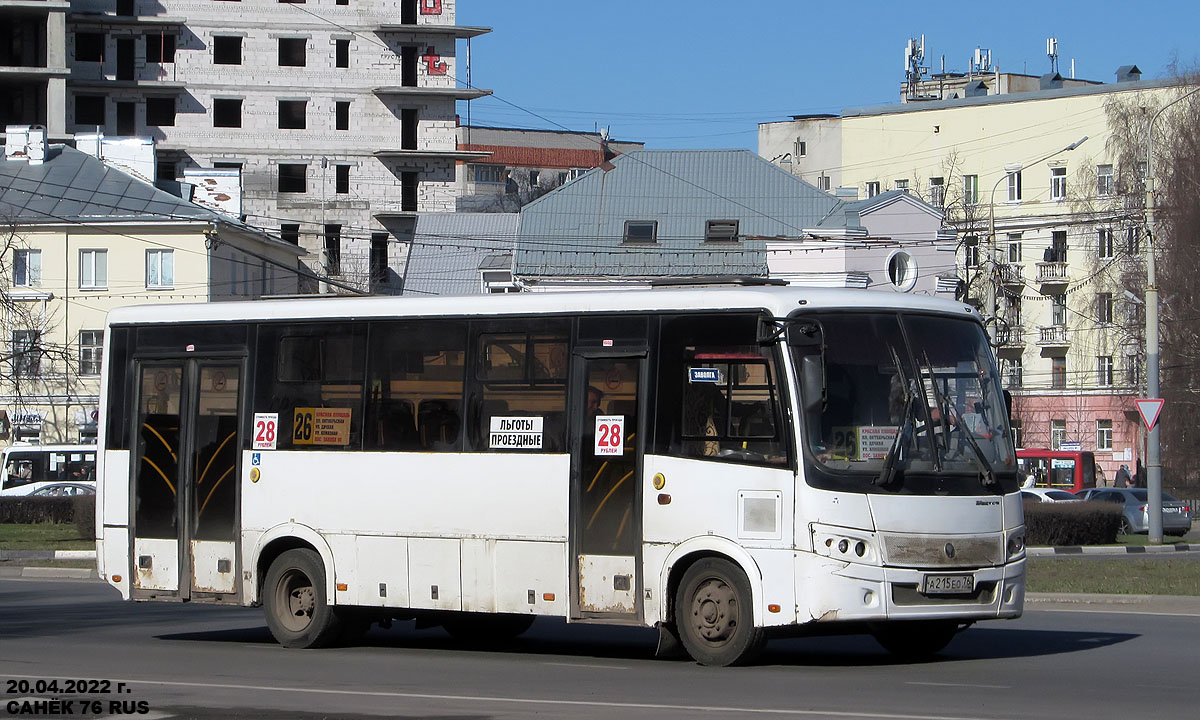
x=72, y=186
x=449, y=249
x=578, y=229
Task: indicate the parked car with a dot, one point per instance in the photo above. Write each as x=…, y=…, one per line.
x=64, y=490
x=1048, y=495
x=1176, y=515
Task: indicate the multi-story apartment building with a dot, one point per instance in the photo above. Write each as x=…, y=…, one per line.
x=340, y=116
x=1044, y=232
x=81, y=238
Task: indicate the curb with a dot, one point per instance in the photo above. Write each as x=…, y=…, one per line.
x=47, y=555
x=1110, y=550
x=49, y=573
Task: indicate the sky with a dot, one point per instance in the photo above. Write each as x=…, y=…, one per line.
x=693, y=74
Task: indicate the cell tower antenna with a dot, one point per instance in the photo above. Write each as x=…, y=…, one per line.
x=914, y=69
x=1052, y=53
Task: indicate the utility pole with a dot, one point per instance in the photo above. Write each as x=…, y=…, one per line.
x=1153, y=460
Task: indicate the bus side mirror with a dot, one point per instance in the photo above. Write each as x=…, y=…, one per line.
x=807, y=340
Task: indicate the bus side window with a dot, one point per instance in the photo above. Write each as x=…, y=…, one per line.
x=520, y=374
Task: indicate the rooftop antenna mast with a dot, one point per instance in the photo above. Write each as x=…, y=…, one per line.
x=1052, y=53
x=914, y=71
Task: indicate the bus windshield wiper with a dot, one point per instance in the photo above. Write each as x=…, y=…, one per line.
x=985, y=467
x=888, y=473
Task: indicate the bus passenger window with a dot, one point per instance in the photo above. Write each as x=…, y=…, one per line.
x=415, y=374
x=520, y=399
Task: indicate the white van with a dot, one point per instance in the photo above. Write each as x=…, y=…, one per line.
x=25, y=468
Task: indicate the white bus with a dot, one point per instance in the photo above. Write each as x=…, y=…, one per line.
x=724, y=464
x=27, y=468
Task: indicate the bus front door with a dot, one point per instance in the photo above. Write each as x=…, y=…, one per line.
x=606, y=478
x=185, y=479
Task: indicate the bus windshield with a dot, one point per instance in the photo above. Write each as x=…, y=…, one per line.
x=907, y=403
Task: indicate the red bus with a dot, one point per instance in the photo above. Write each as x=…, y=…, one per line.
x=1060, y=469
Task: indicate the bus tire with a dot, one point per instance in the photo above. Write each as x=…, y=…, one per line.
x=914, y=640
x=714, y=614
x=298, y=613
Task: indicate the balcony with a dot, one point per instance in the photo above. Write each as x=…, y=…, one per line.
x=1010, y=339
x=1053, y=336
x=1011, y=274
x=1052, y=276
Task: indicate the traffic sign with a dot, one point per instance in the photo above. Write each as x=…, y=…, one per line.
x=1149, y=409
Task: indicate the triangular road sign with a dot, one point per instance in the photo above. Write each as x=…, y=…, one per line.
x=1149, y=410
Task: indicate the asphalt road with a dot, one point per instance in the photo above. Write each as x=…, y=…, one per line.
x=1062, y=660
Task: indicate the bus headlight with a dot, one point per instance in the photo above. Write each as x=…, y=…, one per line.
x=844, y=544
x=1016, y=544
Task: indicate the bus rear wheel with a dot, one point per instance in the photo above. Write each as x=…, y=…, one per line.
x=714, y=614
x=298, y=613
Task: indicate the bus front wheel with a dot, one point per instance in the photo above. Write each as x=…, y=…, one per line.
x=714, y=614
x=298, y=613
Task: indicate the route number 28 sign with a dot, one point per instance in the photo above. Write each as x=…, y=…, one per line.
x=610, y=435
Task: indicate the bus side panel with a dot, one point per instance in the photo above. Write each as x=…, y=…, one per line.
x=513, y=576
x=113, y=489
x=112, y=557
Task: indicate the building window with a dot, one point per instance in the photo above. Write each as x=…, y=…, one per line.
x=823, y=183
x=292, y=52
x=292, y=114
x=91, y=344
x=1014, y=247
x=902, y=185
x=1058, y=183
x=333, y=249
x=721, y=231
x=1018, y=432
x=341, y=53
x=641, y=231
x=27, y=268
x=410, y=185
x=290, y=233
x=341, y=113
x=801, y=149
x=1104, y=370
x=490, y=174
x=534, y=179
x=1133, y=370
x=971, y=251
x=227, y=50
x=160, y=48
x=89, y=46
x=1058, y=309
x=1014, y=186
x=160, y=111
x=937, y=191
x=1012, y=371
x=1104, y=435
x=1104, y=243
x=1104, y=308
x=342, y=179
x=379, y=258
x=227, y=112
x=1058, y=433
x=93, y=269
x=1058, y=373
x=89, y=110
x=26, y=353
x=970, y=189
x=160, y=268
x=1058, y=246
x=293, y=178
x=1104, y=180
x=1133, y=241
x=872, y=188
x=1012, y=310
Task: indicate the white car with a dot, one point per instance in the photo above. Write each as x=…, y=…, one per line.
x=1048, y=495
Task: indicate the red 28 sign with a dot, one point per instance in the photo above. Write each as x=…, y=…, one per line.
x=266, y=430
x=610, y=435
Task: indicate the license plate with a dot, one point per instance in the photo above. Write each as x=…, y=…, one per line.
x=1172, y=510
x=947, y=584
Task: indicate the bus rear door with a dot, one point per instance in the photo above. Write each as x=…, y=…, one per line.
x=185, y=478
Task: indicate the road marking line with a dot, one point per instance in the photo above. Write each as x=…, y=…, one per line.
x=585, y=665
x=966, y=685
x=1116, y=612
x=529, y=701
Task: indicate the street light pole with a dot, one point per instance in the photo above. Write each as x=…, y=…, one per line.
x=1008, y=171
x=1153, y=459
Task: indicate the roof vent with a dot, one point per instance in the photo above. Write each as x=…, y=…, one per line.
x=975, y=88
x=1129, y=73
x=1051, y=81
x=16, y=142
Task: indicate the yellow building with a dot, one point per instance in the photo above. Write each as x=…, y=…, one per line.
x=81, y=238
x=1031, y=184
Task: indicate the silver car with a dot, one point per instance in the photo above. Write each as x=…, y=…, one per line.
x=1176, y=515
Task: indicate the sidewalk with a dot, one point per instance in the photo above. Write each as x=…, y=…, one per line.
x=1110, y=550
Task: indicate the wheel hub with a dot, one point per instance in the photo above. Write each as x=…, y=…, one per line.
x=714, y=611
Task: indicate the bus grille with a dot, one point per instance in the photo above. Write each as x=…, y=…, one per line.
x=923, y=551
